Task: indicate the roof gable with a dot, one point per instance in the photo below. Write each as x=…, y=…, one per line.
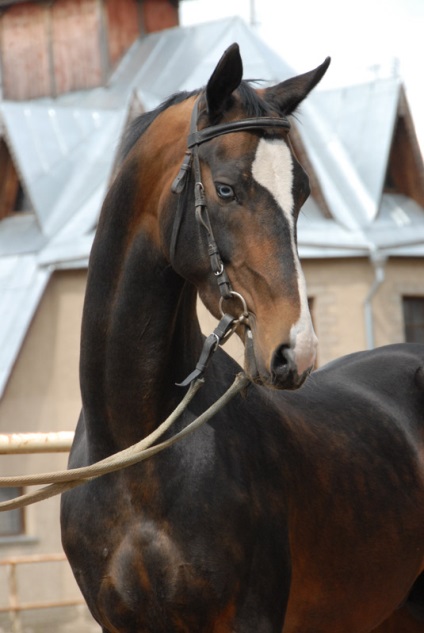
x=13, y=198
x=162, y=63
x=348, y=133
x=19, y=226
x=405, y=169
x=62, y=154
x=362, y=117
x=360, y=142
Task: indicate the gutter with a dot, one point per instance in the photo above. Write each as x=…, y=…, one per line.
x=378, y=261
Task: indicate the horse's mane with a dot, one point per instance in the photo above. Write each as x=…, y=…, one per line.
x=140, y=124
x=254, y=106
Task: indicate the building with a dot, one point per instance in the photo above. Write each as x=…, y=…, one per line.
x=361, y=233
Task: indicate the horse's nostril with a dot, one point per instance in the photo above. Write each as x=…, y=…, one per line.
x=283, y=358
x=283, y=368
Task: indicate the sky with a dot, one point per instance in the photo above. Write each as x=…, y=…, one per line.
x=365, y=38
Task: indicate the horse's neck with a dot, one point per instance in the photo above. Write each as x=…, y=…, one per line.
x=140, y=335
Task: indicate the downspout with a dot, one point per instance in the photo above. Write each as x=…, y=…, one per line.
x=378, y=261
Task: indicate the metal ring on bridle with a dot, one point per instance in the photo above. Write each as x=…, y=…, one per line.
x=236, y=295
x=219, y=272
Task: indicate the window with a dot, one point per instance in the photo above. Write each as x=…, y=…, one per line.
x=12, y=521
x=413, y=317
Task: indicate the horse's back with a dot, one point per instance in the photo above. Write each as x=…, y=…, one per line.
x=389, y=378
x=387, y=363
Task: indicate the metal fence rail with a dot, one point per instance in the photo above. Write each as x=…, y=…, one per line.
x=14, y=606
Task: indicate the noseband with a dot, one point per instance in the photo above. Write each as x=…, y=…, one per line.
x=195, y=138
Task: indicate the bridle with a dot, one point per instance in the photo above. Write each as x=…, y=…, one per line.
x=192, y=161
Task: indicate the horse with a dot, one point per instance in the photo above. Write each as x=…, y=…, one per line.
x=299, y=507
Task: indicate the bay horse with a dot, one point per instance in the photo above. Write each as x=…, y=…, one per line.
x=294, y=509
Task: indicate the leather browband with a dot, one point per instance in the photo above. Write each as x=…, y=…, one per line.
x=201, y=136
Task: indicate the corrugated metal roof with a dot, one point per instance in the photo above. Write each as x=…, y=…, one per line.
x=65, y=149
x=21, y=234
x=162, y=64
x=22, y=284
x=399, y=225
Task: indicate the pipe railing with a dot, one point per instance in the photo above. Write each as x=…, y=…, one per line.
x=14, y=606
x=27, y=443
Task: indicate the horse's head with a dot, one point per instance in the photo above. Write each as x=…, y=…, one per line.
x=252, y=188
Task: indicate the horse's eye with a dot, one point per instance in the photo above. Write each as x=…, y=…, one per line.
x=225, y=192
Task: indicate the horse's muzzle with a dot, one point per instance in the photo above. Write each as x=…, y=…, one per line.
x=284, y=370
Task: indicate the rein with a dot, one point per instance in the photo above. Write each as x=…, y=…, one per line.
x=228, y=323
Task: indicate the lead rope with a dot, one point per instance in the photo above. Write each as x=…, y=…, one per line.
x=60, y=481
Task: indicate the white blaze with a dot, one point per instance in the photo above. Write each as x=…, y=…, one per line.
x=273, y=170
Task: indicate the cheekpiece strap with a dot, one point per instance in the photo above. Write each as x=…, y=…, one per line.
x=179, y=182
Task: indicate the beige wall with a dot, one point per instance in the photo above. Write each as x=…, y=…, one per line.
x=43, y=395
x=43, y=391
x=339, y=289
x=404, y=278
x=42, y=387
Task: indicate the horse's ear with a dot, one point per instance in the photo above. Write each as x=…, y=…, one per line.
x=224, y=80
x=287, y=95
